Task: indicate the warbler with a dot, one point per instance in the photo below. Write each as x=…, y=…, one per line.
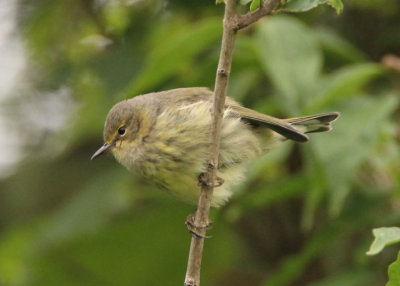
x=165, y=137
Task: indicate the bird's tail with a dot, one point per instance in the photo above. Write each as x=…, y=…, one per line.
x=313, y=123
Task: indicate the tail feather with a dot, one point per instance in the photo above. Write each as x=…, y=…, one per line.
x=314, y=123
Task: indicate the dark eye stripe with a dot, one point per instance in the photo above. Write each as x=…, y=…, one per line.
x=121, y=130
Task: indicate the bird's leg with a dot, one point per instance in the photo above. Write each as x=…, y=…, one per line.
x=190, y=224
x=193, y=228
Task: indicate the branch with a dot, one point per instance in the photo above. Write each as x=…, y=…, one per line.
x=242, y=21
x=232, y=23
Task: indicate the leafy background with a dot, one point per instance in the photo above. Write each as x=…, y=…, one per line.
x=305, y=214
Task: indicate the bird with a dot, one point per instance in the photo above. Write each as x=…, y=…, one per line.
x=165, y=137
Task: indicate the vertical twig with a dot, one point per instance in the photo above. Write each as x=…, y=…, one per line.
x=231, y=24
x=203, y=210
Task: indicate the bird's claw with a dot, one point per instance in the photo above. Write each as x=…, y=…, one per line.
x=204, y=181
x=194, y=229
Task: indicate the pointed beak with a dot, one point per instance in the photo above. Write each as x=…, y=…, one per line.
x=101, y=150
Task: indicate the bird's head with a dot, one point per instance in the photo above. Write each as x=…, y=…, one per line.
x=120, y=129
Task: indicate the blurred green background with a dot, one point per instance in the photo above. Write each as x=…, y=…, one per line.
x=303, y=217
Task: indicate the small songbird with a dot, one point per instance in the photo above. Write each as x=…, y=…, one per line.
x=165, y=137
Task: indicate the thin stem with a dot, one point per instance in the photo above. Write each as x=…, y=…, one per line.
x=242, y=21
x=221, y=83
x=203, y=210
x=232, y=23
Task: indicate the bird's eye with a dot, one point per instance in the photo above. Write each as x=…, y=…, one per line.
x=121, y=130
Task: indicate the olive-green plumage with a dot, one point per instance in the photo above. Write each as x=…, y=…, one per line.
x=164, y=136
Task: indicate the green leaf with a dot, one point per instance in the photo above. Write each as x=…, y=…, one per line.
x=360, y=124
x=338, y=46
x=306, y=5
x=254, y=5
x=244, y=2
x=336, y=4
x=291, y=57
x=121, y=251
x=348, y=278
x=15, y=248
x=384, y=236
x=88, y=210
x=316, y=190
x=241, y=84
x=175, y=55
x=344, y=82
x=394, y=273
x=259, y=197
x=293, y=265
x=116, y=16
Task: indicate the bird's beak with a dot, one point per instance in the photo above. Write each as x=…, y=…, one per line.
x=101, y=150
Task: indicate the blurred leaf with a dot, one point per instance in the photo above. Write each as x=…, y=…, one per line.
x=265, y=188
x=246, y=55
x=294, y=265
x=347, y=278
x=15, y=249
x=291, y=57
x=245, y=2
x=124, y=251
x=350, y=143
x=306, y=5
x=315, y=183
x=394, y=273
x=265, y=166
x=344, y=82
x=265, y=195
x=242, y=83
x=254, y=5
x=337, y=45
x=176, y=54
x=336, y=4
x=51, y=18
x=88, y=120
x=116, y=16
x=384, y=236
x=89, y=210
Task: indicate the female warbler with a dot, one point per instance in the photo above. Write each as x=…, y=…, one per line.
x=164, y=136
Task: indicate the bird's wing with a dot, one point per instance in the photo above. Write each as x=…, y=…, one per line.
x=278, y=125
x=190, y=95
x=314, y=123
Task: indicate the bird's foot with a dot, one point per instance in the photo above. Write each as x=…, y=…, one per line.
x=196, y=229
x=203, y=180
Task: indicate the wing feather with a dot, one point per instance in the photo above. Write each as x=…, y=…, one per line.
x=278, y=125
